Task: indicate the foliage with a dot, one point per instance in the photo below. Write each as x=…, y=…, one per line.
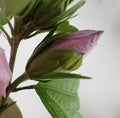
x=52, y=68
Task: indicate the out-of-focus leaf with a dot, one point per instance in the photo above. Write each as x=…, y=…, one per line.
x=60, y=97
x=13, y=7
x=3, y=19
x=28, y=8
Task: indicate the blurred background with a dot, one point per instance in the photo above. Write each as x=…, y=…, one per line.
x=99, y=97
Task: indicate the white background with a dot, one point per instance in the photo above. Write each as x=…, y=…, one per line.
x=99, y=97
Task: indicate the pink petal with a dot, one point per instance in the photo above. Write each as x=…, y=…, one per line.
x=5, y=73
x=83, y=41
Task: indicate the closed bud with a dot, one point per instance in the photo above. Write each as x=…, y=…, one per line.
x=46, y=10
x=64, y=54
x=49, y=61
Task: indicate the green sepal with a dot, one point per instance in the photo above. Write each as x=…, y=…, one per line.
x=60, y=97
x=60, y=75
x=75, y=65
x=50, y=61
x=13, y=7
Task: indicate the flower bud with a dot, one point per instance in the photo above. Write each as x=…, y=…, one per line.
x=46, y=10
x=51, y=61
x=64, y=54
x=44, y=15
x=5, y=73
x=82, y=41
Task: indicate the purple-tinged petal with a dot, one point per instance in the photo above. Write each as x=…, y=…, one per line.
x=83, y=41
x=5, y=73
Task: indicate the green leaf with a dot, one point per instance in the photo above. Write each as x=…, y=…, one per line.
x=13, y=7
x=3, y=19
x=60, y=97
x=61, y=75
x=66, y=27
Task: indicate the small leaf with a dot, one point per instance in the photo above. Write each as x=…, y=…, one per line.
x=60, y=97
x=66, y=27
x=61, y=75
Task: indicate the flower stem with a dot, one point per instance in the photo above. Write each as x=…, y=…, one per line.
x=10, y=26
x=23, y=88
x=14, y=47
x=18, y=81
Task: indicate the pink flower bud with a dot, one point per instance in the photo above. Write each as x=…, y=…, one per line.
x=65, y=53
x=5, y=73
x=82, y=41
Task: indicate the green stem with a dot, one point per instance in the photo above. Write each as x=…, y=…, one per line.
x=14, y=47
x=6, y=34
x=18, y=81
x=10, y=26
x=23, y=88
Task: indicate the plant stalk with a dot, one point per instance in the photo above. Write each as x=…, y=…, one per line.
x=14, y=48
